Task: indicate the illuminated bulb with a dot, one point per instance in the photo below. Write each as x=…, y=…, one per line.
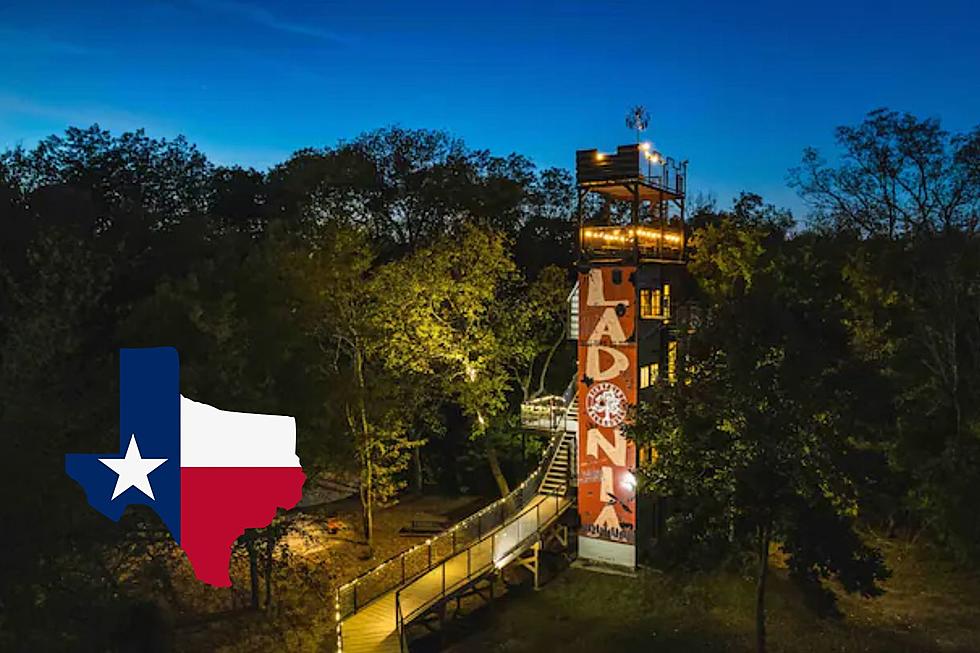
x=645, y=146
x=629, y=481
x=599, y=156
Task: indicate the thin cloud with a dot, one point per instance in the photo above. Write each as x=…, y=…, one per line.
x=264, y=17
x=70, y=113
x=35, y=43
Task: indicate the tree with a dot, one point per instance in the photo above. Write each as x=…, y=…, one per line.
x=755, y=443
x=903, y=203
x=53, y=383
x=443, y=318
x=913, y=312
x=537, y=328
x=897, y=175
x=377, y=406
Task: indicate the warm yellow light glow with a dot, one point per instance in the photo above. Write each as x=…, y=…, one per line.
x=672, y=361
x=625, y=235
x=645, y=146
x=599, y=156
x=629, y=481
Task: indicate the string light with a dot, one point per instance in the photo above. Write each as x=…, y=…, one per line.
x=625, y=235
x=535, y=476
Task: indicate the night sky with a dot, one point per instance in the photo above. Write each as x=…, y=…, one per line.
x=739, y=88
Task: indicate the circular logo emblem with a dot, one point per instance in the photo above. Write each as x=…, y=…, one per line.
x=606, y=405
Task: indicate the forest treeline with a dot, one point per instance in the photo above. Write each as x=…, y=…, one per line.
x=832, y=376
x=393, y=292
x=400, y=294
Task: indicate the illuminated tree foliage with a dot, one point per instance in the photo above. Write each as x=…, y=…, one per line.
x=441, y=313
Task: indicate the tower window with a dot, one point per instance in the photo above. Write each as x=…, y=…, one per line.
x=649, y=374
x=651, y=303
x=672, y=361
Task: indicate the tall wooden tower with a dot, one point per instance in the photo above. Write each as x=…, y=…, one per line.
x=631, y=276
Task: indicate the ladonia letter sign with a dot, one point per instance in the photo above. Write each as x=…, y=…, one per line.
x=607, y=389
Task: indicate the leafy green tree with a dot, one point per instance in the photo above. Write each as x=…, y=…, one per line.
x=442, y=316
x=52, y=385
x=913, y=313
x=755, y=443
x=903, y=204
x=377, y=406
x=536, y=329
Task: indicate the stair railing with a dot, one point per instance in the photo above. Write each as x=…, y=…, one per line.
x=568, y=464
x=569, y=394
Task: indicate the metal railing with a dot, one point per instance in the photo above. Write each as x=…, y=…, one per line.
x=493, y=550
x=669, y=176
x=421, y=559
x=548, y=413
x=543, y=413
x=656, y=241
x=568, y=396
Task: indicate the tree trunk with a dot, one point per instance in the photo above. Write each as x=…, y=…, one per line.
x=547, y=363
x=366, y=453
x=498, y=474
x=253, y=571
x=367, y=513
x=269, y=547
x=417, y=468
x=760, y=590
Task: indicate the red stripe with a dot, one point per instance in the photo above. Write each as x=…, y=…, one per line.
x=217, y=504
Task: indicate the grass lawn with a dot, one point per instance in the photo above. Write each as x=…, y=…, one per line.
x=929, y=606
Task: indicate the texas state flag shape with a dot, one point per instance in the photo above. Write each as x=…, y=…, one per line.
x=209, y=474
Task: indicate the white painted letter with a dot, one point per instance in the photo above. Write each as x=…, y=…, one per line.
x=620, y=363
x=615, y=450
x=596, y=295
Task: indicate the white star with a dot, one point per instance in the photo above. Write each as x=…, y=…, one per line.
x=133, y=470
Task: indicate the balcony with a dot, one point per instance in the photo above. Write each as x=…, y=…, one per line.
x=647, y=241
x=543, y=414
x=633, y=171
x=553, y=412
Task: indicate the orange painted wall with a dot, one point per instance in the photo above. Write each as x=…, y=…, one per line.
x=607, y=386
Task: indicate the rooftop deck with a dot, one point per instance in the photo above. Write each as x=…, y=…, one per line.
x=634, y=171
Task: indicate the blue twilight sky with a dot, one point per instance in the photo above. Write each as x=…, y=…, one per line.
x=739, y=88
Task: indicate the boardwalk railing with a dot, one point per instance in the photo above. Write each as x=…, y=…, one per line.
x=494, y=550
x=423, y=558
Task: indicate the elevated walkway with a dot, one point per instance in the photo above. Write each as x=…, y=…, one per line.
x=374, y=609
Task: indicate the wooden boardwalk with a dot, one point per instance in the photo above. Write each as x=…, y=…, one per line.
x=374, y=628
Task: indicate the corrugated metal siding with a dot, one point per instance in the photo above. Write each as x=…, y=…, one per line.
x=573, y=313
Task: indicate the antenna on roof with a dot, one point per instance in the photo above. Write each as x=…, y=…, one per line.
x=638, y=118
